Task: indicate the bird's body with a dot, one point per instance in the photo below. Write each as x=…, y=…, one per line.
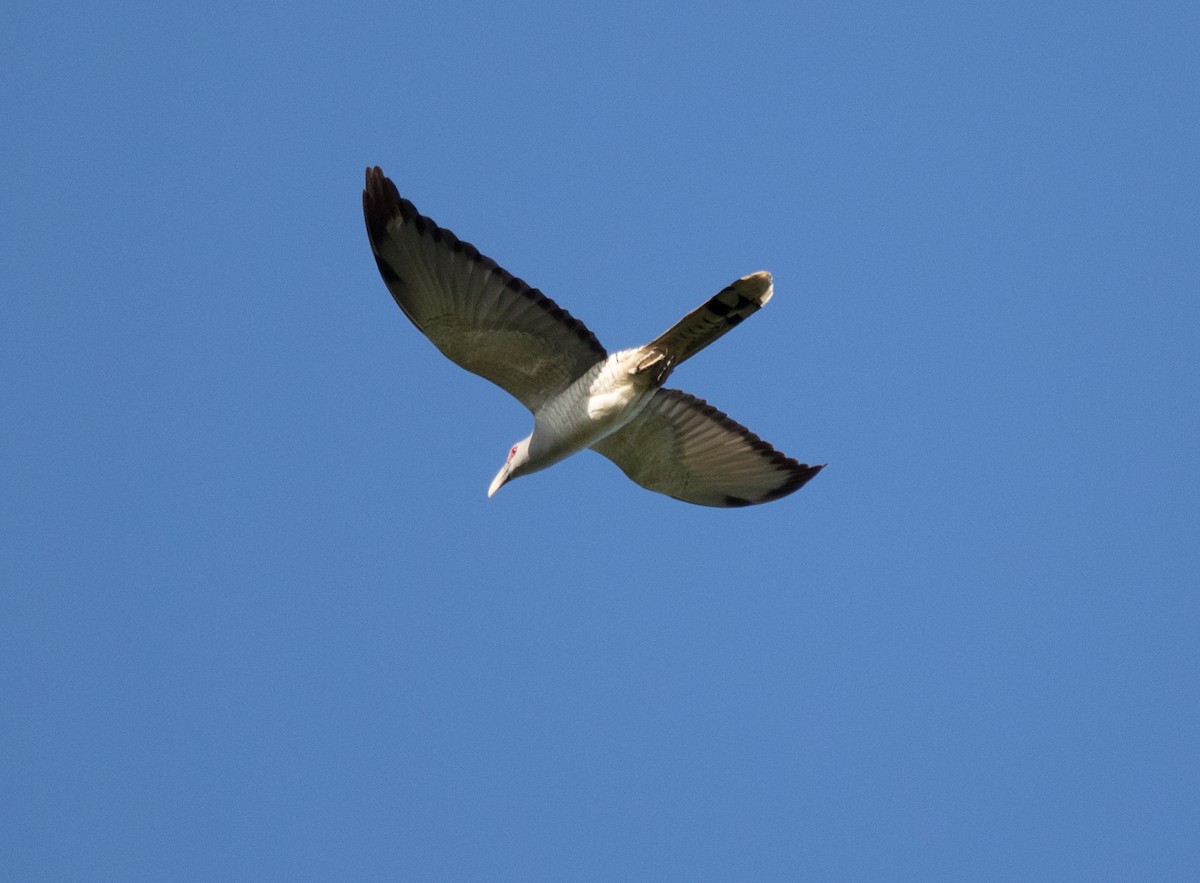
x=596, y=405
x=495, y=325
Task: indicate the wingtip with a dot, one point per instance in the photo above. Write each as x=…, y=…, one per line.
x=381, y=203
x=802, y=474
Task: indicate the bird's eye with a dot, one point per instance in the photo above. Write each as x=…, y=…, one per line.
x=513, y=452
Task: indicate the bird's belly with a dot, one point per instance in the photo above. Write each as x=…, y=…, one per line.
x=593, y=407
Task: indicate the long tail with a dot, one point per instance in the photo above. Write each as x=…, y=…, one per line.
x=725, y=309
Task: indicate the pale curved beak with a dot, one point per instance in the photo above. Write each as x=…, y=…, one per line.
x=501, y=477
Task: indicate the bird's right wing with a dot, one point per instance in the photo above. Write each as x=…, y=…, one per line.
x=480, y=316
x=683, y=447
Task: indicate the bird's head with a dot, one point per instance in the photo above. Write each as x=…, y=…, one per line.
x=518, y=457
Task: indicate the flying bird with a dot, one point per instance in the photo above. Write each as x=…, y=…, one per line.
x=494, y=325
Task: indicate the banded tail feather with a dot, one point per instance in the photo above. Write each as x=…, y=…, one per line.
x=725, y=310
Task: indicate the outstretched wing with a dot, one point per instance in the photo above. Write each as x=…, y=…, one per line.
x=683, y=447
x=477, y=314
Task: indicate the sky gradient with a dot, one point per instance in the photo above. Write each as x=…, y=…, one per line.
x=259, y=620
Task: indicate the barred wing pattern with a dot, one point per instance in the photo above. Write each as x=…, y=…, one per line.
x=479, y=315
x=683, y=447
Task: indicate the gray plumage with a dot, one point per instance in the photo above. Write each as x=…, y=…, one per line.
x=494, y=325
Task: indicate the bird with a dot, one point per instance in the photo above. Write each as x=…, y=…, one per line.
x=495, y=325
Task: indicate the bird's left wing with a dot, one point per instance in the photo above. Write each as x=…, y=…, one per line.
x=476, y=313
x=683, y=447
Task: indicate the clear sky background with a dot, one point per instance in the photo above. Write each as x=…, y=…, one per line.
x=258, y=618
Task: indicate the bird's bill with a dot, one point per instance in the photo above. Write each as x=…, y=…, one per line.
x=498, y=481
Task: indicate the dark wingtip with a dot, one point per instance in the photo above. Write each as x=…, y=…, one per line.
x=381, y=203
x=801, y=475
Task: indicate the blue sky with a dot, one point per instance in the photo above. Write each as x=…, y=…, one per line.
x=259, y=619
